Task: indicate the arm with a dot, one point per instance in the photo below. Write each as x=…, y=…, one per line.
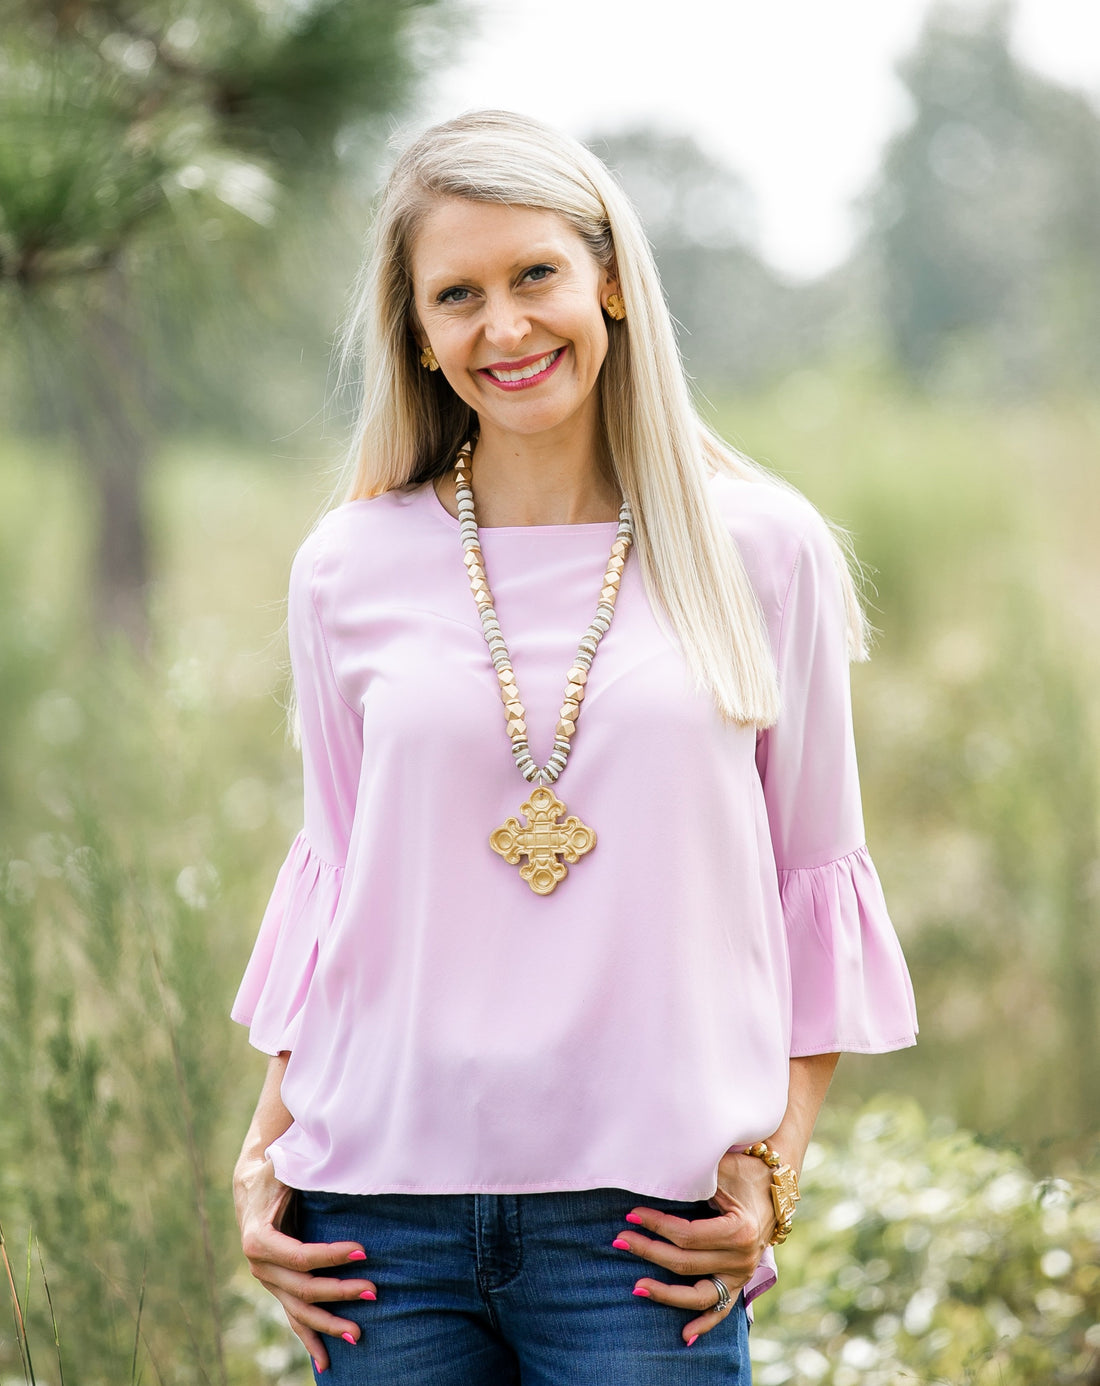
x=849, y=986
x=731, y=1244
x=810, y=1079
x=280, y=1263
x=279, y=974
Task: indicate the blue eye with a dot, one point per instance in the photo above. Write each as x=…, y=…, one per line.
x=455, y=295
x=537, y=273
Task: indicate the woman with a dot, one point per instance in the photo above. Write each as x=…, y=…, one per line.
x=543, y=1076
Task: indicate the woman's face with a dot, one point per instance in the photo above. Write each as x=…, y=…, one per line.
x=511, y=301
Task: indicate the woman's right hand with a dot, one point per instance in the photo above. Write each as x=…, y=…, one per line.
x=283, y=1265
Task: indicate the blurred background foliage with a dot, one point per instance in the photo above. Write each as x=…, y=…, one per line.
x=183, y=193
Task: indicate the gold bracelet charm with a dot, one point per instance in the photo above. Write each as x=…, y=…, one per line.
x=784, y=1189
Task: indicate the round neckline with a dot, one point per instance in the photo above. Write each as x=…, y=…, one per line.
x=432, y=499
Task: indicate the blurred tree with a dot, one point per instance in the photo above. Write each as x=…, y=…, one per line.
x=985, y=213
x=150, y=153
x=739, y=321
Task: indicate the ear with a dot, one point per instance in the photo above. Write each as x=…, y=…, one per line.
x=610, y=286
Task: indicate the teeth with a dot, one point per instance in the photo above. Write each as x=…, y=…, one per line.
x=527, y=372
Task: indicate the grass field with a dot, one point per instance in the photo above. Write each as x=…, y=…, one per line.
x=144, y=811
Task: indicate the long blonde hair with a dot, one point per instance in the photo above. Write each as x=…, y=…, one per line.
x=412, y=423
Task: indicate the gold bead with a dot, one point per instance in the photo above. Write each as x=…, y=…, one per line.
x=484, y=601
x=608, y=594
x=569, y=710
x=616, y=565
x=514, y=708
x=509, y=693
x=517, y=729
x=577, y=674
x=575, y=692
x=506, y=674
x=620, y=548
x=566, y=727
x=613, y=577
x=472, y=558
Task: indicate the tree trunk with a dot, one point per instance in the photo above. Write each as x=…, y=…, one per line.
x=109, y=417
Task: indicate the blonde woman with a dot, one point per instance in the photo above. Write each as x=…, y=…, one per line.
x=555, y=977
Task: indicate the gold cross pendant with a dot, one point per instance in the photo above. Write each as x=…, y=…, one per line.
x=543, y=840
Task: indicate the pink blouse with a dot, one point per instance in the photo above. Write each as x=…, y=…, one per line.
x=451, y=1031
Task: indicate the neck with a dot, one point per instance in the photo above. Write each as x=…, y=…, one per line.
x=539, y=481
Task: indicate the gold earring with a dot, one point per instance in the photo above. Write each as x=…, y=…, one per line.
x=616, y=308
x=427, y=358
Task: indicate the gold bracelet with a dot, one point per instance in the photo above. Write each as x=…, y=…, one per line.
x=784, y=1190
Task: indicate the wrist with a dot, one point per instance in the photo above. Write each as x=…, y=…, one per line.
x=784, y=1187
x=252, y=1167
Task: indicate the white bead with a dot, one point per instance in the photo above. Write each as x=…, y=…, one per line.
x=494, y=637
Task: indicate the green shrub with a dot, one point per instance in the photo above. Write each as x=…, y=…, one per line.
x=144, y=809
x=920, y=1255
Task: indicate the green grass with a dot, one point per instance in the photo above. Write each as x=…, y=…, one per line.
x=144, y=812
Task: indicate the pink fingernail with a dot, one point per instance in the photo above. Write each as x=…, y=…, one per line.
x=633, y=1217
x=357, y=1255
x=639, y=1291
x=623, y=1246
x=349, y=1338
x=693, y=1339
x=368, y=1294
x=317, y=1367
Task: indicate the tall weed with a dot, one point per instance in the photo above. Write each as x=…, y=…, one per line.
x=144, y=807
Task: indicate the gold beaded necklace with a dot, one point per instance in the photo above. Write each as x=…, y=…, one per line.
x=546, y=843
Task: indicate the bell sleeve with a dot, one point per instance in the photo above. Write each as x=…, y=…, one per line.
x=307, y=889
x=849, y=982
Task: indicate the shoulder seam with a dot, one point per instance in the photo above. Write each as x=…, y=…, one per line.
x=324, y=633
x=787, y=593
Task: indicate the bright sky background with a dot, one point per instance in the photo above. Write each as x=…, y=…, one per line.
x=798, y=96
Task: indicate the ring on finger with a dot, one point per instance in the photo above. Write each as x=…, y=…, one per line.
x=725, y=1299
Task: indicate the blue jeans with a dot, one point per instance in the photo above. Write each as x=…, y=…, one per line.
x=512, y=1290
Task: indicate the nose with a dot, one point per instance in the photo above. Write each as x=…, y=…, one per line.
x=506, y=323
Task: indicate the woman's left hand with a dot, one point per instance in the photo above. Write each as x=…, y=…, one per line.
x=729, y=1245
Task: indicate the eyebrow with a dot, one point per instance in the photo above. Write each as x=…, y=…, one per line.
x=538, y=254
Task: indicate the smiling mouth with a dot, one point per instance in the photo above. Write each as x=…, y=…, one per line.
x=524, y=375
